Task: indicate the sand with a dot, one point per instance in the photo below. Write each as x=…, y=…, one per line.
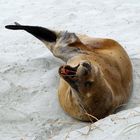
x=29, y=107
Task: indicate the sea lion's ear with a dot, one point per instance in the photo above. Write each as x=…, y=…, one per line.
x=41, y=33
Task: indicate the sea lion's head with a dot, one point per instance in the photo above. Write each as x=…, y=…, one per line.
x=82, y=77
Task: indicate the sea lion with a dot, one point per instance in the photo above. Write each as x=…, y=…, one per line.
x=97, y=76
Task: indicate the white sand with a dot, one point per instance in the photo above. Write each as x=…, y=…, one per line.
x=29, y=107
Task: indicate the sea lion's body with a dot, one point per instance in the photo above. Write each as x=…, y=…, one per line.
x=116, y=75
x=97, y=77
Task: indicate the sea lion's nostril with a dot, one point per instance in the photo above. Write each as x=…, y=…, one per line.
x=87, y=65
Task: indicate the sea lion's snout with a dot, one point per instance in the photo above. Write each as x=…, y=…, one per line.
x=87, y=65
x=84, y=69
x=76, y=75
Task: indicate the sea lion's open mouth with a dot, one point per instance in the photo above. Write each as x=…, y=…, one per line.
x=69, y=74
x=68, y=71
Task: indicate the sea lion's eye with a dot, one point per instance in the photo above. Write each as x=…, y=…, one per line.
x=88, y=84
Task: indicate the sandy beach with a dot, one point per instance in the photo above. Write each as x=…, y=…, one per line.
x=29, y=107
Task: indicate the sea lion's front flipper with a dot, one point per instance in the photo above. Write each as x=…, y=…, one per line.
x=41, y=33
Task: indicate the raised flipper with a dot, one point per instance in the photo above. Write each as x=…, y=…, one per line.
x=41, y=33
x=63, y=45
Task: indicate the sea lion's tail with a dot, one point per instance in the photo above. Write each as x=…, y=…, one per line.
x=41, y=33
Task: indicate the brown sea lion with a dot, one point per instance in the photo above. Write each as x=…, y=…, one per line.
x=97, y=77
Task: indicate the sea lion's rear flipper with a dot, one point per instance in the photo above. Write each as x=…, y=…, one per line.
x=41, y=33
x=63, y=45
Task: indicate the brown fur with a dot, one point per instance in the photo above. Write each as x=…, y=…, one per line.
x=113, y=83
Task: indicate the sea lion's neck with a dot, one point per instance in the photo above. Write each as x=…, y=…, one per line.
x=91, y=101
